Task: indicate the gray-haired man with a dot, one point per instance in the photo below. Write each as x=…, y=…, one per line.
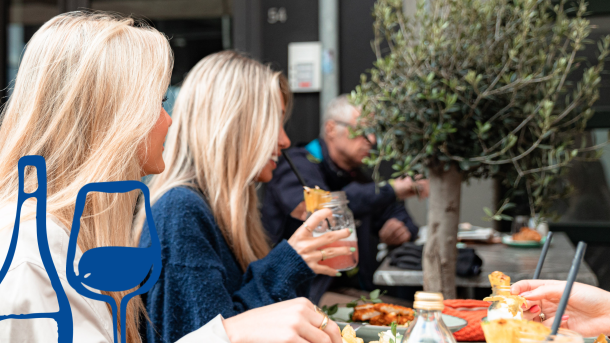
x=333, y=163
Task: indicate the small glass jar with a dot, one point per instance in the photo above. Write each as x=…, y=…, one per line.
x=499, y=308
x=342, y=218
x=428, y=326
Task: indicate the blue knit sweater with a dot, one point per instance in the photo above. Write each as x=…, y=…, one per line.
x=201, y=277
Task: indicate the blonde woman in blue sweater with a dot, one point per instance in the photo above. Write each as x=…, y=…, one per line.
x=87, y=98
x=227, y=134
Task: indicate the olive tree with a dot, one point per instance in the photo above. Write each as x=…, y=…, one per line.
x=475, y=89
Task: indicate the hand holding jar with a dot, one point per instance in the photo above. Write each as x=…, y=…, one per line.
x=316, y=249
x=342, y=218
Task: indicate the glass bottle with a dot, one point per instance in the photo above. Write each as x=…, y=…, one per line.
x=342, y=218
x=428, y=326
x=500, y=308
x=63, y=317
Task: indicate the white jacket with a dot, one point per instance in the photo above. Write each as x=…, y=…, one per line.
x=27, y=289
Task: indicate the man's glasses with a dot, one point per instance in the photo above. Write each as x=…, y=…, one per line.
x=353, y=128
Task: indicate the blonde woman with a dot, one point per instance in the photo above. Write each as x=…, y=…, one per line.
x=227, y=135
x=87, y=98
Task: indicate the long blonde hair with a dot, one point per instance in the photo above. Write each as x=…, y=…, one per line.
x=87, y=94
x=226, y=122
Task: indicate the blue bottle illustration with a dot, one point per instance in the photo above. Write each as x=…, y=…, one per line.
x=63, y=317
x=114, y=268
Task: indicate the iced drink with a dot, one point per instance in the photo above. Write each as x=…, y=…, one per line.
x=345, y=262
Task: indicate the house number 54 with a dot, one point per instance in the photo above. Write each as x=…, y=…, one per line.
x=275, y=15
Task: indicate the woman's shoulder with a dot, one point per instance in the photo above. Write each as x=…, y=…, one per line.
x=27, y=287
x=182, y=200
x=181, y=196
x=184, y=211
x=185, y=223
x=28, y=248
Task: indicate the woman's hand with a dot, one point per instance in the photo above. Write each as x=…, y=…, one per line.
x=307, y=246
x=292, y=321
x=588, y=310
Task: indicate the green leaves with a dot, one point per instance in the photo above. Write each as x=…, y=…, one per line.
x=393, y=329
x=454, y=84
x=330, y=310
x=373, y=298
x=352, y=303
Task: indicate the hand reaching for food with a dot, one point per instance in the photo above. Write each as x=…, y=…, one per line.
x=588, y=310
x=285, y=322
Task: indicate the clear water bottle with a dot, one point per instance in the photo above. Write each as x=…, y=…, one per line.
x=428, y=326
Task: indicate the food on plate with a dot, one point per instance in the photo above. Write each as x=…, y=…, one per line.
x=387, y=336
x=527, y=234
x=514, y=331
x=601, y=339
x=383, y=314
x=315, y=198
x=400, y=310
x=364, y=314
x=505, y=304
x=388, y=318
x=348, y=335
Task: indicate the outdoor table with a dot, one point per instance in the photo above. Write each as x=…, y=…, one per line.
x=518, y=263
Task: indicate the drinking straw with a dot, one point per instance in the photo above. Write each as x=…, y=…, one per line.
x=545, y=249
x=580, y=252
x=301, y=180
x=294, y=169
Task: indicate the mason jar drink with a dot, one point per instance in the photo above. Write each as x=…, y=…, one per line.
x=342, y=218
x=524, y=331
x=500, y=307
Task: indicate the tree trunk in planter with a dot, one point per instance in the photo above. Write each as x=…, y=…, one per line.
x=440, y=252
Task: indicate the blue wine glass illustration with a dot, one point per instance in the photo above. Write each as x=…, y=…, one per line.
x=63, y=317
x=114, y=269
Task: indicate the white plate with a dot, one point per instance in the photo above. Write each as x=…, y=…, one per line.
x=371, y=332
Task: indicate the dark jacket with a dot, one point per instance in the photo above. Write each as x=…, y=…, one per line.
x=201, y=277
x=371, y=207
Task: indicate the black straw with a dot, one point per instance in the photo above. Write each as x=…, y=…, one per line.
x=580, y=252
x=294, y=169
x=301, y=180
x=545, y=249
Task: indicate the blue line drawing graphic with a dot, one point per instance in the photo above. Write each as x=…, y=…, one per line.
x=114, y=268
x=105, y=268
x=63, y=317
